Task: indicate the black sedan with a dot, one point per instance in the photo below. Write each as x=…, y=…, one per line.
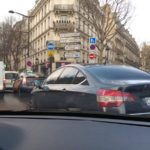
x=104, y=88
x=26, y=82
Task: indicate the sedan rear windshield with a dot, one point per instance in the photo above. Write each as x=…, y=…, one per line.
x=11, y=76
x=118, y=73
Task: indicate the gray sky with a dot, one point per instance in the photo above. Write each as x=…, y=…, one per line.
x=139, y=27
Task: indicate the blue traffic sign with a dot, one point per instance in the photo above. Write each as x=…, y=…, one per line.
x=92, y=40
x=29, y=63
x=92, y=47
x=50, y=46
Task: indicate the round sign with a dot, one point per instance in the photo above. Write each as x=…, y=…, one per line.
x=92, y=47
x=91, y=56
x=29, y=63
x=50, y=46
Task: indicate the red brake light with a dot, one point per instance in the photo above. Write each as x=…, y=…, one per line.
x=111, y=98
x=36, y=76
x=4, y=80
x=24, y=81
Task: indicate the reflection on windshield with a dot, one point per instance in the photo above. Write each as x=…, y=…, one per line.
x=75, y=56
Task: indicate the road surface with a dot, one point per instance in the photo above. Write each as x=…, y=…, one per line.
x=13, y=102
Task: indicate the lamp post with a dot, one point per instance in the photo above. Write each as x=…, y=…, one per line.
x=13, y=12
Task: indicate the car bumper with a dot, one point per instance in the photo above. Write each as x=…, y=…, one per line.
x=26, y=89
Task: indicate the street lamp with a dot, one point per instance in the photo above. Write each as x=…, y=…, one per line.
x=13, y=12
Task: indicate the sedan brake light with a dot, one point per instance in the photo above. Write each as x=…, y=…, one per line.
x=111, y=98
x=4, y=82
x=36, y=76
x=24, y=81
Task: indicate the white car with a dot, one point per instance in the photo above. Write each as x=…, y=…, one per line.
x=2, y=79
x=10, y=78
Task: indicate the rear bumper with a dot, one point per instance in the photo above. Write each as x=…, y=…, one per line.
x=8, y=86
x=26, y=89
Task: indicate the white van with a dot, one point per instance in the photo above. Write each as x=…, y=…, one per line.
x=10, y=78
x=2, y=79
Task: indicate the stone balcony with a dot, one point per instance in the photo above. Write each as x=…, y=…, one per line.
x=63, y=25
x=59, y=9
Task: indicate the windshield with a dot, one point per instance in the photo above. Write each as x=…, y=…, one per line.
x=75, y=56
x=108, y=73
x=11, y=76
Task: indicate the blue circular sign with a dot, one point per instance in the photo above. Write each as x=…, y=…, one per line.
x=50, y=46
x=92, y=47
x=29, y=63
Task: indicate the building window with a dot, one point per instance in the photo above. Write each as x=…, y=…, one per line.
x=63, y=18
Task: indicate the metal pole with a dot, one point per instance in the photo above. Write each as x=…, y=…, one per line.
x=28, y=37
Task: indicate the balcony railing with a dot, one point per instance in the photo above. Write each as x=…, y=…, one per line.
x=63, y=8
x=63, y=25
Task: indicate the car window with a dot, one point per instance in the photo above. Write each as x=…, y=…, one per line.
x=53, y=77
x=79, y=78
x=118, y=73
x=67, y=76
x=11, y=76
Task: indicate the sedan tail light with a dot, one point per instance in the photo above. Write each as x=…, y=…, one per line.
x=24, y=81
x=111, y=98
x=4, y=82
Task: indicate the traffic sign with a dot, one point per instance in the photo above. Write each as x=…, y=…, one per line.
x=67, y=35
x=50, y=53
x=92, y=40
x=91, y=56
x=50, y=46
x=92, y=47
x=29, y=63
x=70, y=40
x=72, y=47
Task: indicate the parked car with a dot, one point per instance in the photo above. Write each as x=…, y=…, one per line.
x=2, y=79
x=10, y=78
x=25, y=83
x=108, y=89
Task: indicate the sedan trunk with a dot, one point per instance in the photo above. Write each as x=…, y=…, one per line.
x=141, y=93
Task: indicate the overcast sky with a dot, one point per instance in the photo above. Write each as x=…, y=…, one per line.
x=139, y=27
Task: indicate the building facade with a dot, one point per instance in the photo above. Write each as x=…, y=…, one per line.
x=64, y=23
x=67, y=24
x=126, y=49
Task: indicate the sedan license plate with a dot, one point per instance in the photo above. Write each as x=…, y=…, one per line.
x=147, y=99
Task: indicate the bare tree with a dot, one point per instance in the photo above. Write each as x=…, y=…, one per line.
x=6, y=38
x=13, y=39
x=19, y=43
x=106, y=16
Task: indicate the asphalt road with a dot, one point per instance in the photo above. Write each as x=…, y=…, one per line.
x=14, y=102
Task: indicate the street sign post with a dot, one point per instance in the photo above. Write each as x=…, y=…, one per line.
x=91, y=56
x=92, y=40
x=50, y=46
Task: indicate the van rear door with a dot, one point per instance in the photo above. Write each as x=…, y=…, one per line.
x=2, y=76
